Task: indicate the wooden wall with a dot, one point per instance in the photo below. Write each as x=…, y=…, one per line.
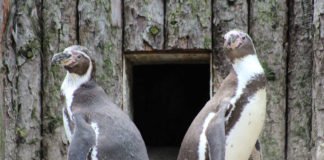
x=288, y=35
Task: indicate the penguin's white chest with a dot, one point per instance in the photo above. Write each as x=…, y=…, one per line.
x=244, y=134
x=70, y=84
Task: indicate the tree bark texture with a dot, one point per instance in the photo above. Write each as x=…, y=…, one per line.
x=318, y=79
x=226, y=16
x=100, y=30
x=59, y=31
x=2, y=76
x=188, y=24
x=299, y=81
x=22, y=85
x=288, y=36
x=268, y=29
x=144, y=25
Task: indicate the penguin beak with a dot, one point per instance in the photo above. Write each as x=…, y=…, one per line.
x=231, y=41
x=227, y=43
x=61, y=58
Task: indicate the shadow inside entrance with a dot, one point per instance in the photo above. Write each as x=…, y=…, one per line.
x=166, y=98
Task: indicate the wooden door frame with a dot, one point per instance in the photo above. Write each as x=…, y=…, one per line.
x=131, y=59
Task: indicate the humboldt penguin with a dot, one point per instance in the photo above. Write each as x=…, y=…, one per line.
x=96, y=128
x=229, y=125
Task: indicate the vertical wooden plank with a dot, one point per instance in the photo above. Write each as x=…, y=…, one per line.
x=269, y=32
x=10, y=100
x=10, y=91
x=188, y=24
x=2, y=120
x=318, y=77
x=21, y=55
x=227, y=16
x=2, y=75
x=59, y=18
x=144, y=22
x=100, y=26
x=2, y=129
x=299, y=105
x=127, y=88
x=28, y=58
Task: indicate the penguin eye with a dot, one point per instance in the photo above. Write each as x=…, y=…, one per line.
x=79, y=56
x=243, y=38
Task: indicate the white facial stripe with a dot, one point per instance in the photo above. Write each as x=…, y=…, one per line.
x=82, y=54
x=203, y=139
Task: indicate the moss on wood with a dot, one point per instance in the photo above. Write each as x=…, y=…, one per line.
x=154, y=30
x=270, y=74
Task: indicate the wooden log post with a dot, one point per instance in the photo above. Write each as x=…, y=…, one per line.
x=22, y=60
x=100, y=30
x=268, y=29
x=299, y=82
x=9, y=91
x=318, y=79
x=59, y=32
x=2, y=129
x=28, y=63
x=3, y=12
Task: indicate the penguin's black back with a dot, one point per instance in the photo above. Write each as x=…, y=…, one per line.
x=119, y=138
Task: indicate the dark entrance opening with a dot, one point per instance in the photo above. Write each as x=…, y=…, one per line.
x=166, y=98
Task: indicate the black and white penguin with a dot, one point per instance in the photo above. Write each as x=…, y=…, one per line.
x=95, y=127
x=230, y=123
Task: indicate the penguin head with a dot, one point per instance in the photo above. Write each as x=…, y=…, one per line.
x=238, y=44
x=76, y=60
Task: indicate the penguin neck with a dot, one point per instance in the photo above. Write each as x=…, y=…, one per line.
x=71, y=83
x=246, y=68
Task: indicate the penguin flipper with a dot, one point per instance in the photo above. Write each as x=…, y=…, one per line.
x=83, y=139
x=216, y=134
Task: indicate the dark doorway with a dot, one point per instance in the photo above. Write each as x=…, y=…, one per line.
x=166, y=98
